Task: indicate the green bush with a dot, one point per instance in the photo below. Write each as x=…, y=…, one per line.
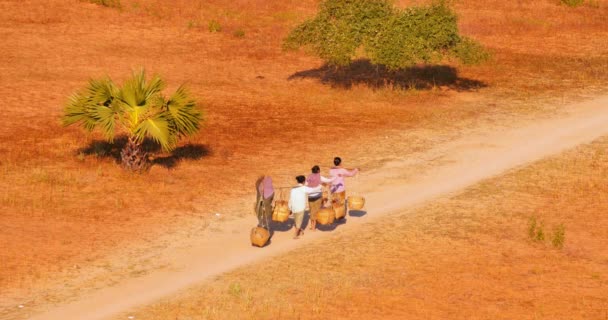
x=214, y=26
x=387, y=35
x=340, y=28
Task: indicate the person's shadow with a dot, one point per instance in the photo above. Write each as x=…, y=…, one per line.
x=357, y=213
x=331, y=226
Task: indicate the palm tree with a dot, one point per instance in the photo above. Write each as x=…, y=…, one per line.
x=139, y=109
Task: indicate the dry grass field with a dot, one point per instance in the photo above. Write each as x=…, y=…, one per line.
x=468, y=256
x=66, y=203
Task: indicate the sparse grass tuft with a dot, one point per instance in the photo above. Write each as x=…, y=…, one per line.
x=235, y=289
x=214, y=26
x=239, y=33
x=573, y=3
x=559, y=236
x=107, y=3
x=535, y=230
x=532, y=227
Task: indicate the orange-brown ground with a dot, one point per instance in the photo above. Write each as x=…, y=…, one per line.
x=469, y=256
x=63, y=205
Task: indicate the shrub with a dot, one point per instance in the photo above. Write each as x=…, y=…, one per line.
x=214, y=26
x=387, y=35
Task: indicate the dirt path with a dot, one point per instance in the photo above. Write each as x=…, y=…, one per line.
x=461, y=163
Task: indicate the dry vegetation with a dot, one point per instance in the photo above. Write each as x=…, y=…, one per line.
x=65, y=201
x=466, y=257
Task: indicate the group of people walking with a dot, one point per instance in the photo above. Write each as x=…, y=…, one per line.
x=307, y=191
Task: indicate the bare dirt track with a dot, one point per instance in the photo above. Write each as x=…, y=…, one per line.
x=469, y=160
x=72, y=222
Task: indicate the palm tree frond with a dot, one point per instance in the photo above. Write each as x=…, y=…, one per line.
x=158, y=128
x=183, y=112
x=93, y=106
x=106, y=120
x=136, y=92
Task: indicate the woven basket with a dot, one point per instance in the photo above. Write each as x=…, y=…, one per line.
x=339, y=210
x=356, y=202
x=259, y=236
x=326, y=216
x=281, y=211
x=325, y=194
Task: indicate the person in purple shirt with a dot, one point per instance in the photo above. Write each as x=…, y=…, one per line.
x=263, y=202
x=338, y=187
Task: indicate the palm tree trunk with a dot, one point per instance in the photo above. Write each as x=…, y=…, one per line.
x=133, y=156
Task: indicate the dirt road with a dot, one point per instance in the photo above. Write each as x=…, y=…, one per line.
x=462, y=163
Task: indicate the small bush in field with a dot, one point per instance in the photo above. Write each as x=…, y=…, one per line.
x=573, y=3
x=532, y=227
x=535, y=230
x=107, y=3
x=540, y=234
x=559, y=236
x=214, y=26
x=239, y=33
x=235, y=289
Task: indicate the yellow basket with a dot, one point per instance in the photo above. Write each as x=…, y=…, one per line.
x=281, y=211
x=326, y=216
x=356, y=202
x=339, y=210
x=259, y=236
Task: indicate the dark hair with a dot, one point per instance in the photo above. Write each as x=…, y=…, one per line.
x=337, y=161
x=315, y=169
x=300, y=179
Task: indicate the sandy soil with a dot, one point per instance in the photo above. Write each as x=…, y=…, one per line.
x=466, y=161
x=72, y=222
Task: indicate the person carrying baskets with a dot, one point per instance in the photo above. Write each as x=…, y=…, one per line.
x=338, y=187
x=297, y=203
x=263, y=203
x=315, y=200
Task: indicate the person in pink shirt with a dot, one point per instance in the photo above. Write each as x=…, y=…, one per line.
x=315, y=200
x=338, y=187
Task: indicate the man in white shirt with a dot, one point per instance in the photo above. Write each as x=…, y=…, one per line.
x=297, y=203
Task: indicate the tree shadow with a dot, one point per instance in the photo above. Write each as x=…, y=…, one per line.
x=105, y=149
x=186, y=152
x=363, y=72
